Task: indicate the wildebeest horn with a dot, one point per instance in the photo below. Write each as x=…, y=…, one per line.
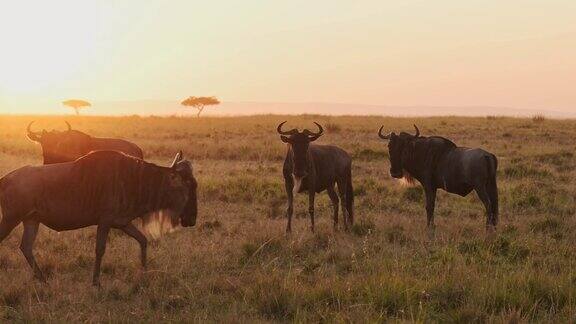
x=320, y=131
x=417, y=131
x=68, y=124
x=290, y=132
x=177, y=159
x=29, y=128
x=32, y=135
x=383, y=136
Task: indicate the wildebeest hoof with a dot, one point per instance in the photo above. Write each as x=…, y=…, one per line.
x=490, y=233
x=431, y=233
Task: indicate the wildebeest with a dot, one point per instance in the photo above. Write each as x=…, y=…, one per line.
x=108, y=189
x=314, y=168
x=437, y=163
x=66, y=146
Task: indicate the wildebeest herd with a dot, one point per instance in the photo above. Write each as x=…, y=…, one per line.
x=106, y=182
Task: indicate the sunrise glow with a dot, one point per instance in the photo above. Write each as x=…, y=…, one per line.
x=409, y=53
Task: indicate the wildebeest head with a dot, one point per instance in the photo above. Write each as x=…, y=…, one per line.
x=185, y=186
x=397, y=145
x=60, y=146
x=299, y=142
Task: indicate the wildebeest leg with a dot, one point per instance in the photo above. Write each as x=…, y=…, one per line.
x=133, y=232
x=430, y=205
x=483, y=195
x=311, y=199
x=101, y=236
x=342, y=194
x=28, y=238
x=493, y=195
x=335, y=201
x=289, y=183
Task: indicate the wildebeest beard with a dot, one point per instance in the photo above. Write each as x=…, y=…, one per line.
x=158, y=223
x=407, y=179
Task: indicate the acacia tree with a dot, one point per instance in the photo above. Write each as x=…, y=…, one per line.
x=200, y=102
x=76, y=104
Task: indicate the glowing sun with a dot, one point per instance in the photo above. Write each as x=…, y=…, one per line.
x=44, y=42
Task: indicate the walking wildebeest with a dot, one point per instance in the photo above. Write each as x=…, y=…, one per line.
x=104, y=188
x=437, y=163
x=315, y=168
x=71, y=144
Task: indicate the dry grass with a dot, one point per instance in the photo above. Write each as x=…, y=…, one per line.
x=539, y=118
x=238, y=265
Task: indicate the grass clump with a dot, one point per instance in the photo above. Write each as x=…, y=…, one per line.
x=539, y=118
x=521, y=171
x=333, y=127
x=363, y=227
x=414, y=194
x=546, y=225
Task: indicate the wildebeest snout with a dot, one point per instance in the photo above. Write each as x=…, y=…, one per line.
x=396, y=174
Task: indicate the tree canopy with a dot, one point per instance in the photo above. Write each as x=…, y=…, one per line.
x=76, y=104
x=200, y=102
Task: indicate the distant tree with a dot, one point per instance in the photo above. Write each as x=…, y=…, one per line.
x=76, y=104
x=200, y=102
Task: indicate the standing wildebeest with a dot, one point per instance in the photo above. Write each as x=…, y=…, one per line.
x=315, y=168
x=437, y=163
x=58, y=147
x=104, y=188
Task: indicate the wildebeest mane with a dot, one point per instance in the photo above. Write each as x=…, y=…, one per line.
x=121, y=182
x=427, y=150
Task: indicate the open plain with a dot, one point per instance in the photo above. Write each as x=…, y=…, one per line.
x=238, y=265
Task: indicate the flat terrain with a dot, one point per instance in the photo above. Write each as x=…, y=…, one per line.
x=237, y=264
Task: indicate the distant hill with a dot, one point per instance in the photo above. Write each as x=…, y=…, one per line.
x=166, y=107
x=153, y=107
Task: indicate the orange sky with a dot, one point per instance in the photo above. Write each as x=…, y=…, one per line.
x=438, y=53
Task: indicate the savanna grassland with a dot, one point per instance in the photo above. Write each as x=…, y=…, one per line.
x=238, y=265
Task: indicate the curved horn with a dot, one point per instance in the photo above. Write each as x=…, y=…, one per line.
x=29, y=128
x=320, y=129
x=417, y=131
x=312, y=134
x=383, y=136
x=68, y=124
x=32, y=135
x=281, y=132
x=177, y=159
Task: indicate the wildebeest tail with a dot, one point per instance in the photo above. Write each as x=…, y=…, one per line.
x=492, y=163
x=350, y=197
x=1, y=198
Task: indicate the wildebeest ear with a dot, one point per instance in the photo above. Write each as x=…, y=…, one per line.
x=177, y=159
x=285, y=139
x=315, y=137
x=183, y=165
x=33, y=137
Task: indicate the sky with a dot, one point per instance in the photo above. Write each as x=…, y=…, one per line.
x=514, y=53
